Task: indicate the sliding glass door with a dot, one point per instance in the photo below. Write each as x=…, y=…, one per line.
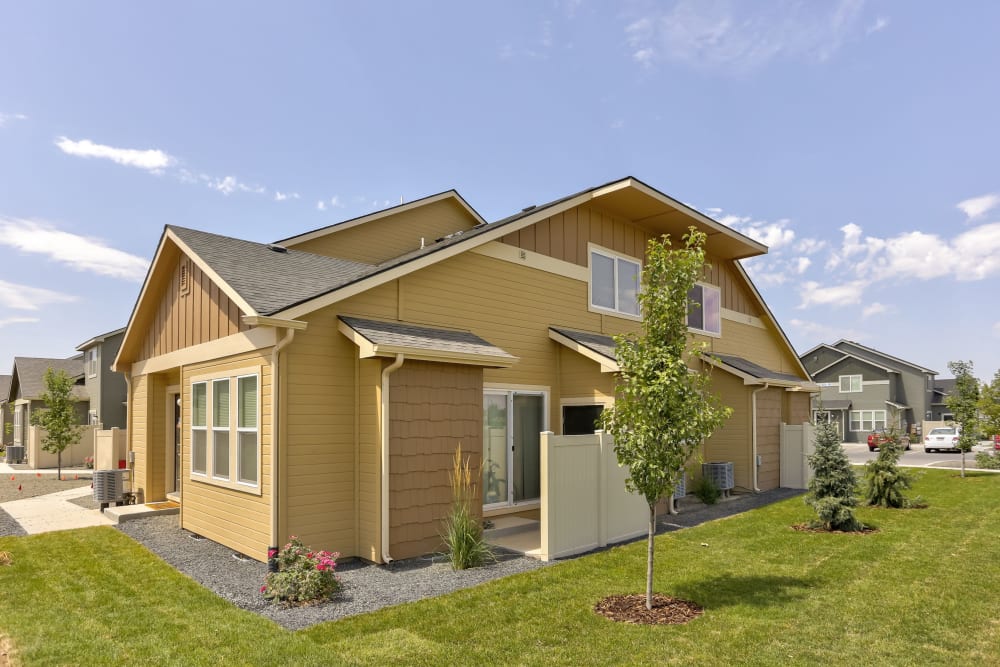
x=512, y=423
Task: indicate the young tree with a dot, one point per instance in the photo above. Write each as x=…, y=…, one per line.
x=989, y=406
x=58, y=418
x=832, y=488
x=885, y=480
x=963, y=402
x=663, y=410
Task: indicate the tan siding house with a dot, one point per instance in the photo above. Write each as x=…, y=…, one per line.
x=319, y=386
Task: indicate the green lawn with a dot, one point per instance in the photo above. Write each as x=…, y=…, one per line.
x=925, y=589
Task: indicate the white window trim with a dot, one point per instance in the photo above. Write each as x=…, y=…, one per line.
x=91, y=362
x=209, y=477
x=227, y=429
x=706, y=332
x=617, y=256
x=499, y=389
x=862, y=421
x=840, y=383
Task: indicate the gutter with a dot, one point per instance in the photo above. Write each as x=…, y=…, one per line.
x=753, y=432
x=285, y=341
x=386, y=372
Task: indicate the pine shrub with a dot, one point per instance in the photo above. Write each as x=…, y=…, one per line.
x=885, y=481
x=706, y=491
x=832, y=488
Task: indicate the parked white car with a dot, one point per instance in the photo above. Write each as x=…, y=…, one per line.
x=942, y=437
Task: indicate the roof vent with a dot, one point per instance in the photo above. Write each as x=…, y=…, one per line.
x=277, y=248
x=528, y=208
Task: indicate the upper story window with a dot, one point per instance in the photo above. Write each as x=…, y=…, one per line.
x=850, y=384
x=614, y=282
x=225, y=430
x=705, y=311
x=91, y=362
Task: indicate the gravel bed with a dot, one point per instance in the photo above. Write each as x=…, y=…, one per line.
x=366, y=587
x=692, y=511
x=9, y=527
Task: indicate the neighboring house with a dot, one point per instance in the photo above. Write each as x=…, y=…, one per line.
x=106, y=388
x=863, y=389
x=320, y=386
x=27, y=386
x=6, y=416
x=939, y=407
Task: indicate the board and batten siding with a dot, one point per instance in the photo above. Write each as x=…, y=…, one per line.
x=732, y=442
x=769, y=418
x=396, y=234
x=433, y=409
x=240, y=520
x=202, y=314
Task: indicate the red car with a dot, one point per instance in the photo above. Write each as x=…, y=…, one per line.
x=876, y=438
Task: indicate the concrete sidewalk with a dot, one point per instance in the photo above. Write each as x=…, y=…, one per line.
x=54, y=511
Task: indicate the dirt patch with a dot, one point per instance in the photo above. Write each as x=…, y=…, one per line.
x=632, y=609
x=6, y=652
x=17, y=486
x=806, y=528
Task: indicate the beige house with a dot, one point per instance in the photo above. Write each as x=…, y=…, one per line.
x=319, y=386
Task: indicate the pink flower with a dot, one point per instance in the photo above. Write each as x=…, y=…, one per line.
x=263, y=588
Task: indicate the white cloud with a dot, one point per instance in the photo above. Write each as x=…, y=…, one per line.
x=880, y=24
x=845, y=294
x=231, y=184
x=742, y=36
x=819, y=331
x=332, y=202
x=978, y=206
x=7, y=117
x=7, y=321
x=874, y=309
x=802, y=264
x=79, y=252
x=810, y=246
x=282, y=196
x=321, y=205
x=150, y=159
x=24, y=297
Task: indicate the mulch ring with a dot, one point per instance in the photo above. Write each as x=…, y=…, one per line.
x=632, y=609
x=806, y=528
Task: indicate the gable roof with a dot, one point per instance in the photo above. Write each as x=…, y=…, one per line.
x=29, y=375
x=594, y=346
x=848, y=357
x=755, y=373
x=4, y=387
x=99, y=339
x=872, y=354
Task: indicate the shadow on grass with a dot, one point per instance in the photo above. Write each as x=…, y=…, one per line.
x=755, y=590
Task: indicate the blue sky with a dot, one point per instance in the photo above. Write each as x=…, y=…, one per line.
x=858, y=139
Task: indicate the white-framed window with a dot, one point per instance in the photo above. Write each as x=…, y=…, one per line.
x=225, y=429
x=867, y=420
x=705, y=309
x=91, y=362
x=92, y=418
x=850, y=384
x=614, y=282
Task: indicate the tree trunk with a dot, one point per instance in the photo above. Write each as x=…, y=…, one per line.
x=963, y=463
x=59, y=465
x=649, y=556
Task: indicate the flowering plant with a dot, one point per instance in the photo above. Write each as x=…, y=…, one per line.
x=303, y=575
x=88, y=461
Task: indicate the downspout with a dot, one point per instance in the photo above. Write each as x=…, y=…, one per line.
x=753, y=418
x=272, y=563
x=386, y=372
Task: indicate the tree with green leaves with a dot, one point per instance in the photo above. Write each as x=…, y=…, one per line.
x=832, y=488
x=989, y=407
x=663, y=410
x=58, y=417
x=963, y=402
x=885, y=481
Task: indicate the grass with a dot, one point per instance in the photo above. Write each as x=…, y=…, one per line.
x=922, y=590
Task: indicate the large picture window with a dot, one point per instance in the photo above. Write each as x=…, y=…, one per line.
x=850, y=384
x=614, y=282
x=867, y=420
x=705, y=309
x=225, y=430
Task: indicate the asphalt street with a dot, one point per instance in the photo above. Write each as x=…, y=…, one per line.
x=916, y=457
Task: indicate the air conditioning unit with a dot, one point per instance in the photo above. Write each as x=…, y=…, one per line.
x=15, y=453
x=109, y=487
x=720, y=474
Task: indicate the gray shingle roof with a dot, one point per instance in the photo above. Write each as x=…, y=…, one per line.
x=600, y=343
x=755, y=370
x=268, y=280
x=836, y=404
x=30, y=372
x=423, y=338
x=4, y=387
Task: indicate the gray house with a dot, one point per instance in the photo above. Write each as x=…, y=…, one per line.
x=6, y=417
x=106, y=388
x=939, y=407
x=863, y=390
x=27, y=385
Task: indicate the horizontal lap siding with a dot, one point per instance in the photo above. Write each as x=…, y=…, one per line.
x=581, y=377
x=376, y=241
x=204, y=314
x=732, y=441
x=138, y=403
x=237, y=519
x=434, y=408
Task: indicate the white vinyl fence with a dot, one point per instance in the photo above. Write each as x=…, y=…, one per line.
x=584, y=502
x=797, y=443
x=73, y=455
